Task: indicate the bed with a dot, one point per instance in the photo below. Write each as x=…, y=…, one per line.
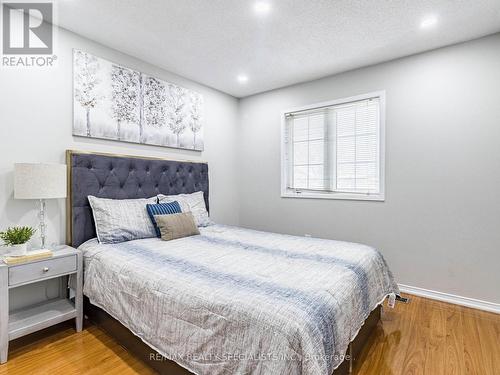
x=230, y=300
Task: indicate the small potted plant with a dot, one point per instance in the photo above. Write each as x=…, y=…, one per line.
x=16, y=239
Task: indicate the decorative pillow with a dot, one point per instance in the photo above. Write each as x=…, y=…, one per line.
x=162, y=209
x=194, y=203
x=176, y=226
x=119, y=220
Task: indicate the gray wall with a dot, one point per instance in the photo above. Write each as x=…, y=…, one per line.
x=36, y=122
x=439, y=227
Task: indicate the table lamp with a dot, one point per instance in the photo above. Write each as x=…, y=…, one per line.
x=40, y=181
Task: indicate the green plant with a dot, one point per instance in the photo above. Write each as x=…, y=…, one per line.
x=17, y=235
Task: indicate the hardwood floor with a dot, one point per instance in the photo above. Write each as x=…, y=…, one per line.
x=431, y=337
x=422, y=337
x=59, y=350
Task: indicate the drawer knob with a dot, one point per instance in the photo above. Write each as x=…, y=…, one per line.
x=45, y=269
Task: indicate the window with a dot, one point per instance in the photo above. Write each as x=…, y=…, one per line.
x=335, y=149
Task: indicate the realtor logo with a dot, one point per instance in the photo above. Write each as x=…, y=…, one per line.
x=27, y=28
x=28, y=34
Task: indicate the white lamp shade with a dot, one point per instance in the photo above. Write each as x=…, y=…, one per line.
x=39, y=181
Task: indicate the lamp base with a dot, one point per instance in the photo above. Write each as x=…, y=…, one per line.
x=42, y=223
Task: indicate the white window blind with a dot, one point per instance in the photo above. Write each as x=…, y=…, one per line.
x=334, y=148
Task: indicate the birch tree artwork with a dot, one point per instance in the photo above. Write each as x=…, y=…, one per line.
x=114, y=102
x=125, y=97
x=176, y=114
x=195, y=119
x=155, y=95
x=86, y=81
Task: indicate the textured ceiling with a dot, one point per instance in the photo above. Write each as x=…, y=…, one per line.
x=213, y=41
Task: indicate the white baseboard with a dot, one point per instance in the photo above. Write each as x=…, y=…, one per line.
x=451, y=298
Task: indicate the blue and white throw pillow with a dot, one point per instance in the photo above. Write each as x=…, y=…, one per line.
x=162, y=209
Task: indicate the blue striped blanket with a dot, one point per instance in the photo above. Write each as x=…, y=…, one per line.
x=238, y=301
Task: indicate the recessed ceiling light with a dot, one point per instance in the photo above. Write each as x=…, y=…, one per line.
x=262, y=7
x=242, y=78
x=428, y=22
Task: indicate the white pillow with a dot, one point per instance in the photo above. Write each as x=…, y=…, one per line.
x=194, y=203
x=118, y=220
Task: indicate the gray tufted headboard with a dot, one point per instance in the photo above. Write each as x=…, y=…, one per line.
x=123, y=177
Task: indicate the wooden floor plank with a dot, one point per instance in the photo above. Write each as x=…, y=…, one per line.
x=419, y=333
x=473, y=357
x=423, y=337
x=454, y=341
x=436, y=341
x=489, y=343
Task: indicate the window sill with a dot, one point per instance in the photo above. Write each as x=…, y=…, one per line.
x=343, y=196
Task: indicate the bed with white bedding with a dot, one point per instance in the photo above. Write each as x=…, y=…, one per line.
x=238, y=301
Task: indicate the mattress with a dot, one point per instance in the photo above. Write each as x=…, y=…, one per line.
x=239, y=301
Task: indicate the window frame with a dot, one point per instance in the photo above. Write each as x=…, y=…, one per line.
x=318, y=194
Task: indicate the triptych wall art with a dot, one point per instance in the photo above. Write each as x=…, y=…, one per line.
x=111, y=101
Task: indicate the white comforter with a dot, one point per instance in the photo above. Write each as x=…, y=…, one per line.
x=237, y=301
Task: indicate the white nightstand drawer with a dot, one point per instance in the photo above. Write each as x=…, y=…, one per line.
x=43, y=269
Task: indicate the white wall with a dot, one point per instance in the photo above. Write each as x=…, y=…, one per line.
x=36, y=125
x=439, y=227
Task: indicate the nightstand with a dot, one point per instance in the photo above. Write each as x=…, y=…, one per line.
x=13, y=324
